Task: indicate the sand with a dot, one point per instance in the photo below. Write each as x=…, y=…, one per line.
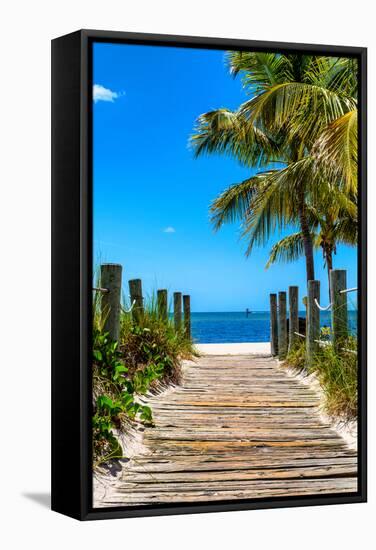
x=246, y=348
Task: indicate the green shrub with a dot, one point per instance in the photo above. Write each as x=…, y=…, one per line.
x=149, y=352
x=114, y=398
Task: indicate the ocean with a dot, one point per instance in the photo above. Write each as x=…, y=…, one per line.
x=227, y=327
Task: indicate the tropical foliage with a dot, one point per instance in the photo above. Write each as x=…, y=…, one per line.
x=337, y=373
x=331, y=224
x=146, y=358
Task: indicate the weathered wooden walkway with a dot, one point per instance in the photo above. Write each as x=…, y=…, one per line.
x=237, y=427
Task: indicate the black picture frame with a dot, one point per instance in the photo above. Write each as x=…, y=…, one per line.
x=72, y=274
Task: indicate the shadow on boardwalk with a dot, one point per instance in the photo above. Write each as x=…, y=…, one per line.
x=237, y=427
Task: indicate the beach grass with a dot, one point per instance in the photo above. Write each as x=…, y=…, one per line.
x=337, y=373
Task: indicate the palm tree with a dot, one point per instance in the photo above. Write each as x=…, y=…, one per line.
x=335, y=223
x=299, y=105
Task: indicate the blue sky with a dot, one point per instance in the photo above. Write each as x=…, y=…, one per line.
x=151, y=197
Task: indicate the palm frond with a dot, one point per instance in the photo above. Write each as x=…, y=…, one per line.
x=234, y=203
x=259, y=69
x=343, y=76
x=271, y=207
x=226, y=132
x=336, y=149
x=302, y=109
x=288, y=249
x=346, y=231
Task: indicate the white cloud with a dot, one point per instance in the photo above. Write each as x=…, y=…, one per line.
x=169, y=229
x=100, y=93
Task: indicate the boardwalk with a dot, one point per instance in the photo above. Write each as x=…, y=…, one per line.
x=237, y=427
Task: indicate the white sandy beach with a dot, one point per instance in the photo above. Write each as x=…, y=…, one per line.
x=243, y=348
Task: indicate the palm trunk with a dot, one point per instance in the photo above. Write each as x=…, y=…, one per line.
x=307, y=237
x=329, y=263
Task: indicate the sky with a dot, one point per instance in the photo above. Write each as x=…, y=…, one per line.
x=152, y=197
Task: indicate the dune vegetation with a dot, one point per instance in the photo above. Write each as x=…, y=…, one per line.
x=146, y=359
x=337, y=373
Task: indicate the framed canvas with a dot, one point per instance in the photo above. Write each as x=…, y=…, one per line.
x=208, y=274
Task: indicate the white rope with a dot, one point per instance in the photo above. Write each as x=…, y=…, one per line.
x=348, y=290
x=325, y=343
x=130, y=309
x=322, y=342
x=322, y=308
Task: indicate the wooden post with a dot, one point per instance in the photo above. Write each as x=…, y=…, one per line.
x=293, y=316
x=282, y=326
x=110, y=303
x=273, y=325
x=187, y=315
x=162, y=304
x=305, y=303
x=135, y=291
x=339, y=306
x=313, y=321
x=177, y=310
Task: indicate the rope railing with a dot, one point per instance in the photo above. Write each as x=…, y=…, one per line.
x=322, y=308
x=111, y=305
x=325, y=343
x=350, y=351
x=130, y=309
x=105, y=290
x=337, y=308
x=346, y=290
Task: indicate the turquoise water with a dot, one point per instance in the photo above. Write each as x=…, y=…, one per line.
x=236, y=327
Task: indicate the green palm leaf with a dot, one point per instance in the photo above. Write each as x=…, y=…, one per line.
x=259, y=69
x=288, y=249
x=336, y=149
x=234, y=203
x=302, y=109
x=226, y=132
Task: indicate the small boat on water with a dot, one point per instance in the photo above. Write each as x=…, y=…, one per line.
x=248, y=312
